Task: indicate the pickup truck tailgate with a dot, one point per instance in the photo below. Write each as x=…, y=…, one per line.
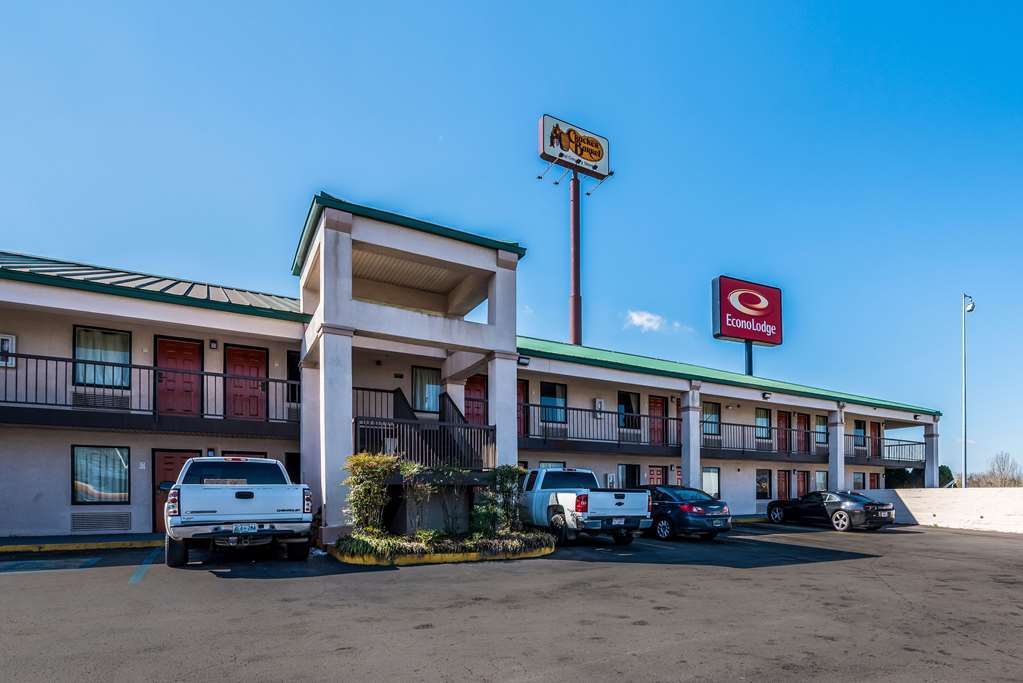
x=618, y=503
x=240, y=503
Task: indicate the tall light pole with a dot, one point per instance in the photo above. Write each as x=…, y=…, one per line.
x=968, y=306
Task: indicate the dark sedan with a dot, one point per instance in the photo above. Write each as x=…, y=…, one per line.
x=680, y=510
x=843, y=510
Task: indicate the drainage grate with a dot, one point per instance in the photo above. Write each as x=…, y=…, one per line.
x=100, y=521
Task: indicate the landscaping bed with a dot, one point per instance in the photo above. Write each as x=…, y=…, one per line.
x=426, y=548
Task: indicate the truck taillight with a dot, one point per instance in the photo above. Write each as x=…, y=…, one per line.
x=649, y=503
x=307, y=501
x=689, y=507
x=724, y=510
x=582, y=502
x=173, y=503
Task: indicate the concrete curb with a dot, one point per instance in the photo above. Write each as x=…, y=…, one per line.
x=434, y=558
x=748, y=520
x=84, y=545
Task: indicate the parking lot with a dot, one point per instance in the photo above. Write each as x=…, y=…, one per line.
x=767, y=602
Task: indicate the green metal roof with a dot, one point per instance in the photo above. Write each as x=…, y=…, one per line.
x=120, y=282
x=586, y=355
x=324, y=200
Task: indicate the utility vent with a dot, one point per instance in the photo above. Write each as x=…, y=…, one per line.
x=294, y=412
x=630, y=435
x=107, y=401
x=100, y=521
x=555, y=430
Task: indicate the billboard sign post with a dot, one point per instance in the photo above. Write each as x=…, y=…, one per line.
x=748, y=312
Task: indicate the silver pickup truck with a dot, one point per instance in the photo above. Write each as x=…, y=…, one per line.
x=568, y=502
x=234, y=501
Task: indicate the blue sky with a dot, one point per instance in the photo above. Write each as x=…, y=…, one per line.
x=867, y=158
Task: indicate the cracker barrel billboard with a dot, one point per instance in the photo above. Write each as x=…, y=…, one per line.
x=572, y=147
x=746, y=311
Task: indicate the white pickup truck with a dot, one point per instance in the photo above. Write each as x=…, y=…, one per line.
x=568, y=502
x=236, y=502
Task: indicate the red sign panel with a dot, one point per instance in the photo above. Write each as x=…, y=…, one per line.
x=746, y=311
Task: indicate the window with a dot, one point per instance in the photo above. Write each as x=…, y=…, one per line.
x=712, y=481
x=544, y=464
x=860, y=433
x=820, y=480
x=294, y=375
x=531, y=481
x=763, y=422
x=100, y=475
x=426, y=390
x=859, y=481
x=553, y=400
x=102, y=348
x=628, y=476
x=712, y=419
x=524, y=464
x=234, y=473
x=820, y=429
x=8, y=345
x=682, y=495
x=628, y=410
x=763, y=484
x=569, y=480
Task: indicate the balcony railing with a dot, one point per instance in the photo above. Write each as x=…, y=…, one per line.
x=430, y=443
x=601, y=426
x=97, y=386
x=883, y=448
x=386, y=403
x=761, y=439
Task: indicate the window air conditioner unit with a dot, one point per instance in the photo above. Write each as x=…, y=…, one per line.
x=598, y=408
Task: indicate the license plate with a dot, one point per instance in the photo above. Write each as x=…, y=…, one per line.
x=245, y=528
x=718, y=522
x=618, y=520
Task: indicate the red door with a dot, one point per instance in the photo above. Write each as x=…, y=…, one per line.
x=875, y=480
x=476, y=399
x=522, y=398
x=178, y=380
x=784, y=432
x=802, y=432
x=245, y=398
x=658, y=411
x=658, y=475
x=166, y=467
x=875, y=439
x=783, y=484
x=802, y=483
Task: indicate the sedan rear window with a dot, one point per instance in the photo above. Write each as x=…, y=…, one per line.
x=569, y=480
x=857, y=498
x=687, y=494
x=234, y=473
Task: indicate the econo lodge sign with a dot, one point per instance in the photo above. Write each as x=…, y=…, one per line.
x=746, y=311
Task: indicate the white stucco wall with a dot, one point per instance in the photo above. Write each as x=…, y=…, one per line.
x=983, y=509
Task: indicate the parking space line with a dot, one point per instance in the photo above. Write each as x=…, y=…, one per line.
x=140, y=571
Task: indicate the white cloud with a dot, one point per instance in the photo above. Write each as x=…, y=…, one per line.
x=527, y=309
x=645, y=321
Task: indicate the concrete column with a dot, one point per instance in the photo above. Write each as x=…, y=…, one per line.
x=692, y=435
x=931, y=461
x=335, y=423
x=456, y=390
x=309, y=436
x=501, y=376
x=836, y=450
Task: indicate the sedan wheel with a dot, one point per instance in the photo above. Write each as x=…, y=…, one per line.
x=664, y=530
x=840, y=521
x=777, y=515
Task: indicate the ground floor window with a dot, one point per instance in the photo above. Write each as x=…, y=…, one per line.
x=100, y=475
x=859, y=481
x=712, y=481
x=524, y=464
x=820, y=480
x=763, y=484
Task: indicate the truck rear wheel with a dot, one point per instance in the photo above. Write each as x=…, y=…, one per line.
x=558, y=528
x=175, y=552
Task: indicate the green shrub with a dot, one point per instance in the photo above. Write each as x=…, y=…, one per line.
x=416, y=492
x=367, y=483
x=448, y=482
x=487, y=517
x=506, y=487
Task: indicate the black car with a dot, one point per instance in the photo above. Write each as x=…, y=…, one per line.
x=681, y=510
x=843, y=510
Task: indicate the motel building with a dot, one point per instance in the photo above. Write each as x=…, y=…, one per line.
x=110, y=379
